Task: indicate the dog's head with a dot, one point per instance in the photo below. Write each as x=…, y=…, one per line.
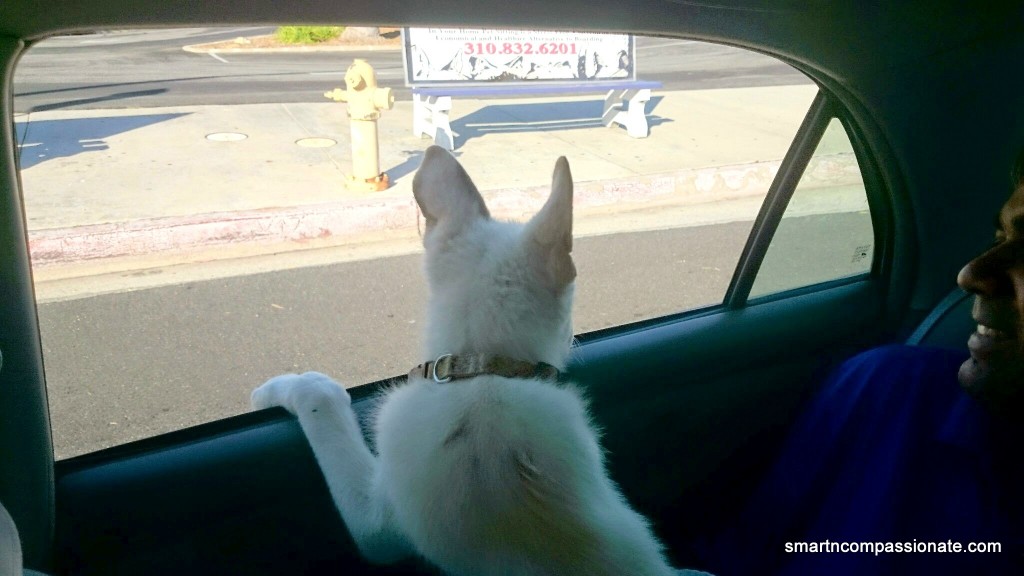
x=495, y=287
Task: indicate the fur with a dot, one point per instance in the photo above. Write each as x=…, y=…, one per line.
x=491, y=475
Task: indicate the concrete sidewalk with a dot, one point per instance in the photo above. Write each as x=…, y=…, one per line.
x=104, y=184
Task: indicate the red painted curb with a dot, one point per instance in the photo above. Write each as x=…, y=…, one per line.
x=157, y=235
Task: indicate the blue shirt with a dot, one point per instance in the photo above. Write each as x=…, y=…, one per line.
x=891, y=450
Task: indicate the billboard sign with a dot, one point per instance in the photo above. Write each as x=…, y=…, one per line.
x=445, y=56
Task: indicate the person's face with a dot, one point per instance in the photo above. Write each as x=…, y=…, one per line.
x=994, y=374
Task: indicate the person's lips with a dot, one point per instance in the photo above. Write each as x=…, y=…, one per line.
x=991, y=345
x=987, y=342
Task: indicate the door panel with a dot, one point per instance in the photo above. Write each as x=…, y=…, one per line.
x=247, y=499
x=690, y=409
x=693, y=411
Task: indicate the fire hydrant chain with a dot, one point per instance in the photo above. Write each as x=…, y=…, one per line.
x=365, y=101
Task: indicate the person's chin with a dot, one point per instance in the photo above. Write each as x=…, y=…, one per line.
x=997, y=388
x=973, y=375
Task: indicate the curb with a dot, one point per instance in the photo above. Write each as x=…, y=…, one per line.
x=344, y=220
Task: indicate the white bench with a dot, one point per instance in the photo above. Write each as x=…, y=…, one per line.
x=625, y=103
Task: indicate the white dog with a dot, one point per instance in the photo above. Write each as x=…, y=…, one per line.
x=485, y=465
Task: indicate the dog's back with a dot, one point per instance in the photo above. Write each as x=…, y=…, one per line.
x=505, y=476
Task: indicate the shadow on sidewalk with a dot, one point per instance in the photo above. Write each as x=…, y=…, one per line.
x=540, y=117
x=411, y=163
x=42, y=140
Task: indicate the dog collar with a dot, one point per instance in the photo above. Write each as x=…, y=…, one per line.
x=450, y=367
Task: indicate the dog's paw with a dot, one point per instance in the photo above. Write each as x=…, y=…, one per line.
x=300, y=393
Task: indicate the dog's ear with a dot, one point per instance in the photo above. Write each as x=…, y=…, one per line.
x=549, y=233
x=446, y=196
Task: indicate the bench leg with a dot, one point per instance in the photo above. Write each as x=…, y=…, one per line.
x=420, y=115
x=430, y=117
x=634, y=117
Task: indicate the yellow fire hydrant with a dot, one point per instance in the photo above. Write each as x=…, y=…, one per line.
x=365, y=100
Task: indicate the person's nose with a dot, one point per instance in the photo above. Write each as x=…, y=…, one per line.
x=984, y=275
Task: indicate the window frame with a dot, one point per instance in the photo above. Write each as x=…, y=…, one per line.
x=824, y=108
x=805, y=144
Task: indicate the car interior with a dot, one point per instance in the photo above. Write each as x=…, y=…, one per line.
x=693, y=405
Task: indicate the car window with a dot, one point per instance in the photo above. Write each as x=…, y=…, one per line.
x=825, y=233
x=190, y=219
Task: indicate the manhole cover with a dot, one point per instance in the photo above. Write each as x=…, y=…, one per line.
x=226, y=136
x=316, y=142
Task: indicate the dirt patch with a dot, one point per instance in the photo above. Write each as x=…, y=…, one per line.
x=387, y=37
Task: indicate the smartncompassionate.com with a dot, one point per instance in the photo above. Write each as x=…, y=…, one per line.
x=877, y=548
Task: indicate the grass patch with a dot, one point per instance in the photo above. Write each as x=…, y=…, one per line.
x=307, y=34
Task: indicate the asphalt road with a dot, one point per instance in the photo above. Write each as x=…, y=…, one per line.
x=131, y=365
x=135, y=69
